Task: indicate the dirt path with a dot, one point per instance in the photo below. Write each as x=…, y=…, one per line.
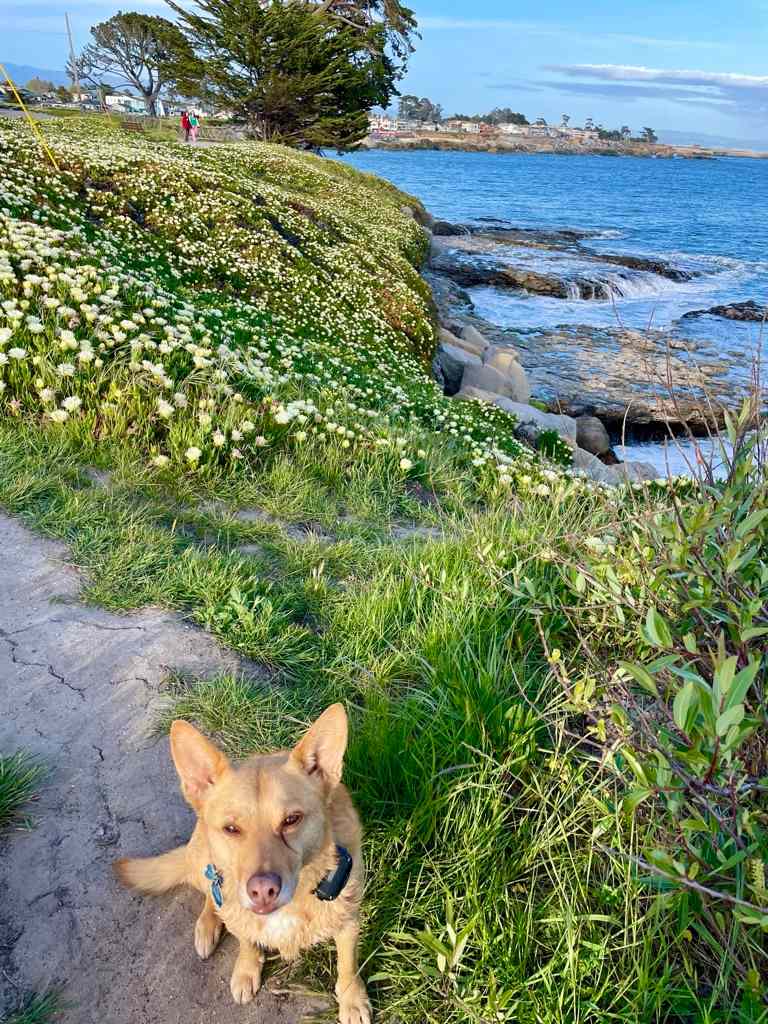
x=78, y=686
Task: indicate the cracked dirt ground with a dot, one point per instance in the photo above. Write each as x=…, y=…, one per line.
x=79, y=688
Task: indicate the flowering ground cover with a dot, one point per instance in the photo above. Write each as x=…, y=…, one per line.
x=216, y=388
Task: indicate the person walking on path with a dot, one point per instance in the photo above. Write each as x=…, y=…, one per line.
x=194, y=126
x=186, y=127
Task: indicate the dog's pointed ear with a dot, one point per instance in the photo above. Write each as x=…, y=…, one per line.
x=198, y=762
x=321, y=749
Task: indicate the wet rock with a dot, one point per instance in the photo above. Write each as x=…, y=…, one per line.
x=591, y=435
x=444, y=228
x=652, y=266
x=504, y=361
x=749, y=312
x=624, y=472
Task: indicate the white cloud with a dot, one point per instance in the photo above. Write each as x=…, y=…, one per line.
x=630, y=73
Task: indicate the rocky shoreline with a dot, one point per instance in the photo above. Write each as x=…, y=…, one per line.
x=593, y=386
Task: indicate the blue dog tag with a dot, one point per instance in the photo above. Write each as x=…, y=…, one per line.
x=216, y=879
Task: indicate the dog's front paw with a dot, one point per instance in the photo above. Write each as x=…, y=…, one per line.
x=245, y=983
x=208, y=929
x=354, y=1004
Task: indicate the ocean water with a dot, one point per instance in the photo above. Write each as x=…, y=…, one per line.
x=709, y=217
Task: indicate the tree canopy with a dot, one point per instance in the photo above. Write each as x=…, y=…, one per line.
x=293, y=72
x=132, y=49
x=411, y=108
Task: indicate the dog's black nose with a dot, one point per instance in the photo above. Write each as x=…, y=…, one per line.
x=263, y=891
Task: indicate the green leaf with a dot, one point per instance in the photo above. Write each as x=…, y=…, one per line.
x=690, y=643
x=741, y=685
x=751, y=522
x=728, y=718
x=656, y=629
x=754, y=632
x=685, y=699
x=641, y=676
x=634, y=798
x=724, y=675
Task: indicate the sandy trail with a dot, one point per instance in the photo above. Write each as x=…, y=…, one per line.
x=79, y=688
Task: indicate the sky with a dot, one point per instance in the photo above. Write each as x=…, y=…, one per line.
x=690, y=65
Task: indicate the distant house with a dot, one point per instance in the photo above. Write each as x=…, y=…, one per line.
x=579, y=134
x=455, y=125
x=117, y=103
x=513, y=129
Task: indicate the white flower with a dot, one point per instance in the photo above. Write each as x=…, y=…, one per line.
x=164, y=409
x=219, y=438
x=47, y=394
x=237, y=435
x=541, y=489
x=246, y=426
x=180, y=401
x=162, y=460
x=59, y=415
x=236, y=453
x=72, y=403
x=300, y=435
x=260, y=441
x=205, y=419
x=5, y=333
x=193, y=454
x=66, y=369
x=405, y=465
x=17, y=353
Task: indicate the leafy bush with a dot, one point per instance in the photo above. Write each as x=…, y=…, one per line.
x=684, y=721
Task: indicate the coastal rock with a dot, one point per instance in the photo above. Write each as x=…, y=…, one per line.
x=530, y=416
x=445, y=227
x=469, y=391
x=590, y=466
x=514, y=386
x=448, y=337
x=748, y=311
x=504, y=361
x=591, y=435
x=473, y=340
x=453, y=362
x=652, y=266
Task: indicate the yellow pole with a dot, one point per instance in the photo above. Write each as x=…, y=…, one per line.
x=32, y=123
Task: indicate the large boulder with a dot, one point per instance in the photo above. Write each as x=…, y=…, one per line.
x=513, y=384
x=591, y=435
x=501, y=357
x=530, y=416
x=474, y=340
x=624, y=472
x=468, y=391
x=453, y=361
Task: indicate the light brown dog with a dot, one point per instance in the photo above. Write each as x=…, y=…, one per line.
x=271, y=853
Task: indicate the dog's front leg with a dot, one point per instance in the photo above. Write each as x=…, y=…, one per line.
x=354, y=1004
x=246, y=977
x=208, y=929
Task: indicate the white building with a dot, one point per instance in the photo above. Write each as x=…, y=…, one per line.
x=118, y=104
x=513, y=129
x=470, y=127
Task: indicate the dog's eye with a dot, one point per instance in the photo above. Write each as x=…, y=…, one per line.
x=232, y=830
x=292, y=819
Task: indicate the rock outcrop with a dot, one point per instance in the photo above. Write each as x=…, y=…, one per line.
x=592, y=436
x=748, y=311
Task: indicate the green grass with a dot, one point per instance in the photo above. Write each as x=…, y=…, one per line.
x=38, y=1009
x=20, y=776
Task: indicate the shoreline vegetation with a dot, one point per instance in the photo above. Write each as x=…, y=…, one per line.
x=217, y=389
x=562, y=147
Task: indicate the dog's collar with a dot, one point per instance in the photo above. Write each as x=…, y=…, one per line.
x=329, y=887
x=333, y=883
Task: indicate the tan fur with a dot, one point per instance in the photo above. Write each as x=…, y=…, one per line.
x=256, y=798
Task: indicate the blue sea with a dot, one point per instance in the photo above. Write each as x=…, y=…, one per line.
x=705, y=216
